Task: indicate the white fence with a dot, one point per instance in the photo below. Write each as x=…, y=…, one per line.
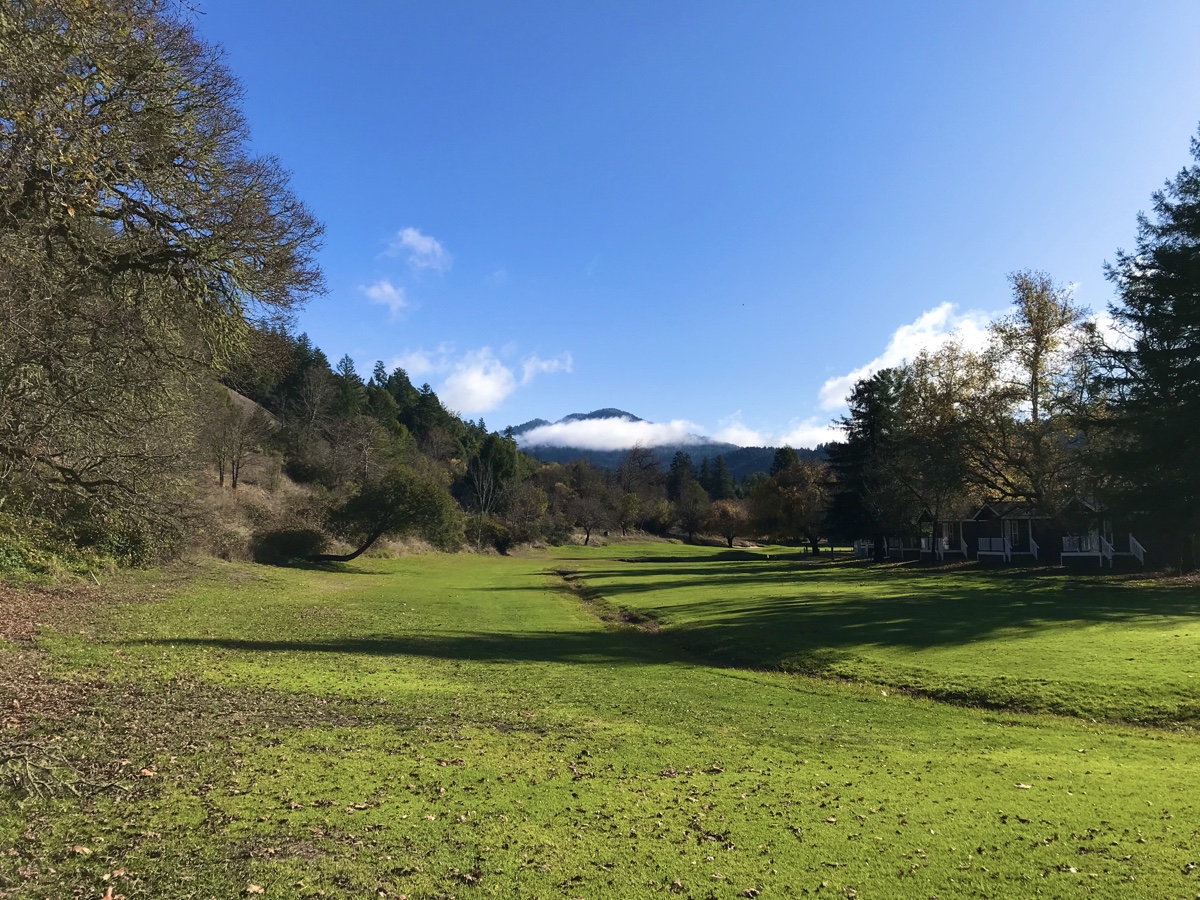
x=1081, y=543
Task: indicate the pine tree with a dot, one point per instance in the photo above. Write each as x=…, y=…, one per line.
x=1152, y=463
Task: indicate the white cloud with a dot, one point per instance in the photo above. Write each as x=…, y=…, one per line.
x=477, y=383
x=535, y=365
x=809, y=433
x=423, y=251
x=416, y=363
x=737, y=433
x=386, y=294
x=611, y=434
x=1111, y=331
x=799, y=433
x=930, y=331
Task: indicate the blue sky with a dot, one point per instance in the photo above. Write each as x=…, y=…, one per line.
x=711, y=214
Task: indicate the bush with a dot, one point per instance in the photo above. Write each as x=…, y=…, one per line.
x=558, y=533
x=281, y=546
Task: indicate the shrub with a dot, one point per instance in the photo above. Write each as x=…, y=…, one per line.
x=280, y=546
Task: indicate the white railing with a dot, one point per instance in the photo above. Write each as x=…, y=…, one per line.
x=962, y=546
x=926, y=545
x=1081, y=543
x=1106, y=551
x=1033, y=547
x=996, y=545
x=1136, y=548
x=863, y=549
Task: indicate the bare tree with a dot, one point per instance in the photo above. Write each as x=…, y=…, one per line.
x=139, y=237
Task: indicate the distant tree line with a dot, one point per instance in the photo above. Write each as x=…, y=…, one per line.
x=1053, y=410
x=150, y=263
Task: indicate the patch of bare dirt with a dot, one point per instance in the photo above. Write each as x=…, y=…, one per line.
x=23, y=610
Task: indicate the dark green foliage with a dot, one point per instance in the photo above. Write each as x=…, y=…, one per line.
x=680, y=473
x=401, y=502
x=720, y=485
x=870, y=500
x=785, y=457
x=280, y=546
x=692, y=508
x=1155, y=438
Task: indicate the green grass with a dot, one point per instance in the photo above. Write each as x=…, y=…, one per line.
x=1085, y=646
x=456, y=726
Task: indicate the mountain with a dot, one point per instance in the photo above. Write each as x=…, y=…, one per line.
x=609, y=412
x=742, y=461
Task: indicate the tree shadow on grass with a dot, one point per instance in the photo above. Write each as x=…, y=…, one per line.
x=760, y=614
x=328, y=568
x=786, y=614
x=602, y=647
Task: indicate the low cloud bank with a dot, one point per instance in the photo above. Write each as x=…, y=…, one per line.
x=619, y=433
x=799, y=433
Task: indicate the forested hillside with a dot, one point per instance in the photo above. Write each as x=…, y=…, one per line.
x=151, y=263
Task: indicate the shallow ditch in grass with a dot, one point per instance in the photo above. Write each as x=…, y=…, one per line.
x=830, y=664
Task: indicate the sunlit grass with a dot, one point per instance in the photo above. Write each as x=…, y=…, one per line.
x=464, y=726
x=1084, y=646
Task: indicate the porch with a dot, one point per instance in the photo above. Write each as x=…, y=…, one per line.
x=1103, y=548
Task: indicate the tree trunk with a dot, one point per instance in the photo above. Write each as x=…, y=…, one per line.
x=880, y=548
x=816, y=545
x=729, y=538
x=347, y=557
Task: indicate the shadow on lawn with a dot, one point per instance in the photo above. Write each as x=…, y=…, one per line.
x=588, y=647
x=791, y=612
x=762, y=613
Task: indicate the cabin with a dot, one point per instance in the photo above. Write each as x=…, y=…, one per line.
x=1007, y=531
x=864, y=549
x=948, y=540
x=1010, y=532
x=908, y=547
x=1089, y=536
x=1014, y=532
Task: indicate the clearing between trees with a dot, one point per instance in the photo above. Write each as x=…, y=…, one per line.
x=456, y=726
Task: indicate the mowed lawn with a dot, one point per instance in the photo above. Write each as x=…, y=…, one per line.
x=1041, y=640
x=460, y=726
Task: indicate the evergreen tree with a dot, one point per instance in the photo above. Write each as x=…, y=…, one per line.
x=870, y=500
x=1155, y=443
x=785, y=458
x=353, y=391
x=681, y=473
x=722, y=487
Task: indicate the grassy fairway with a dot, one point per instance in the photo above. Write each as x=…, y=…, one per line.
x=1058, y=643
x=453, y=726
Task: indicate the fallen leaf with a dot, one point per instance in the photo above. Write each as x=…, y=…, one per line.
x=255, y=889
x=1024, y=787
